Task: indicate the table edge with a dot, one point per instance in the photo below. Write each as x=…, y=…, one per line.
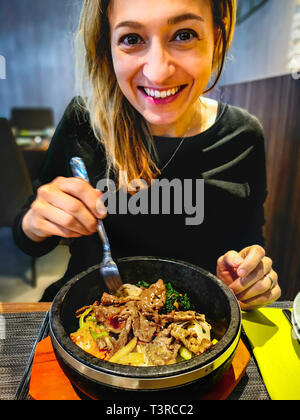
x=18, y=307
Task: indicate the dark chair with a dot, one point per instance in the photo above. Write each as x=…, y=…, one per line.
x=31, y=119
x=16, y=186
x=34, y=125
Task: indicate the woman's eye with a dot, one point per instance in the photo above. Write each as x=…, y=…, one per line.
x=185, y=35
x=131, y=39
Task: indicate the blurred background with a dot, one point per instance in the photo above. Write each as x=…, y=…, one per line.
x=262, y=75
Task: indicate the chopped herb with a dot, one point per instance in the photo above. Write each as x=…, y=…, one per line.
x=174, y=300
x=143, y=284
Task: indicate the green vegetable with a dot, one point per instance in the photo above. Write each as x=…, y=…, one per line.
x=92, y=318
x=143, y=284
x=82, y=322
x=185, y=353
x=175, y=300
x=95, y=335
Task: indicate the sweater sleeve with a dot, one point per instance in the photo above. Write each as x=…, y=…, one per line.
x=55, y=165
x=261, y=191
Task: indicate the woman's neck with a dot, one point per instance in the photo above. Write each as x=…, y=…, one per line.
x=200, y=119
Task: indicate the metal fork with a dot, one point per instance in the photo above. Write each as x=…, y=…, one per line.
x=108, y=268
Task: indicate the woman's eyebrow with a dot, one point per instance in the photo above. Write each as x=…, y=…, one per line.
x=185, y=16
x=171, y=21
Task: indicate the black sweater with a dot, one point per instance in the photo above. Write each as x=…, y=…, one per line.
x=229, y=156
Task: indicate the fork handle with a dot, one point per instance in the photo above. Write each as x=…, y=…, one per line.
x=79, y=171
x=103, y=236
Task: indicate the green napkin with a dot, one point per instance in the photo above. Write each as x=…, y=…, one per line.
x=276, y=351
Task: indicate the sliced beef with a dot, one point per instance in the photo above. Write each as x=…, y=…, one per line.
x=109, y=317
x=180, y=316
x=159, y=354
x=143, y=329
x=164, y=337
x=108, y=299
x=133, y=313
x=106, y=343
x=123, y=337
x=190, y=339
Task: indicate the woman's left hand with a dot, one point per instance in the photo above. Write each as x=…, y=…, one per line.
x=250, y=276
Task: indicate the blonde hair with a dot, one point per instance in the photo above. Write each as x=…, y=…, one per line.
x=123, y=132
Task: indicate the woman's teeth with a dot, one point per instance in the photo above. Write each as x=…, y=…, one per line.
x=161, y=93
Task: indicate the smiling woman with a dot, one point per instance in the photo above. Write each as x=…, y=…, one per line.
x=145, y=67
x=166, y=56
x=149, y=55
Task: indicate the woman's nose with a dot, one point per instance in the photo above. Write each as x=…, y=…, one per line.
x=158, y=66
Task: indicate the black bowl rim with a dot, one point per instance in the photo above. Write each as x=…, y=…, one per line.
x=60, y=336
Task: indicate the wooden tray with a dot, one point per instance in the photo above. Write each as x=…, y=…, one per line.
x=48, y=381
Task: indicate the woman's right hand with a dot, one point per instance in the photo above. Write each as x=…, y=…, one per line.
x=66, y=207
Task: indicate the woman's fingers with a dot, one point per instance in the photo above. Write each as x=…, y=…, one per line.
x=262, y=268
x=252, y=255
x=80, y=189
x=65, y=207
x=227, y=266
x=46, y=228
x=264, y=285
x=231, y=259
x=262, y=300
x=71, y=203
x=66, y=210
x=60, y=218
x=250, y=276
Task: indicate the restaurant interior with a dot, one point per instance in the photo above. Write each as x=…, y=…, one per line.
x=37, y=82
x=253, y=355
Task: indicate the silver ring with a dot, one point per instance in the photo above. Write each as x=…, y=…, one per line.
x=272, y=282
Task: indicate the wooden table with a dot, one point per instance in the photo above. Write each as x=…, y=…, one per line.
x=36, y=147
x=15, y=307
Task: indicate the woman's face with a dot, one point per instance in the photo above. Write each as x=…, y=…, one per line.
x=162, y=53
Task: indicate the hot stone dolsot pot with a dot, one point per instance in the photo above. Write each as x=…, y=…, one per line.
x=98, y=379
